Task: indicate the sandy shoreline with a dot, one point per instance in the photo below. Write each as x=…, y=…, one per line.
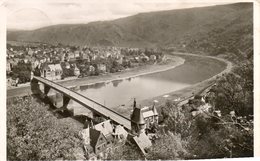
x=187, y=91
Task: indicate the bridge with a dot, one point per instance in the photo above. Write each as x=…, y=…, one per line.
x=84, y=101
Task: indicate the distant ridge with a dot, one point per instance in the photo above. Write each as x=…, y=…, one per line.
x=194, y=28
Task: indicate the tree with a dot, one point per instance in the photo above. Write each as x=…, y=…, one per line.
x=175, y=119
x=34, y=133
x=22, y=71
x=234, y=91
x=222, y=136
x=127, y=152
x=168, y=147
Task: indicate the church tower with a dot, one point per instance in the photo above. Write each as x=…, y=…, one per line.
x=137, y=120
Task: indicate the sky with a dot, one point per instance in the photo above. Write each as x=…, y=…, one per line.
x=32, y=14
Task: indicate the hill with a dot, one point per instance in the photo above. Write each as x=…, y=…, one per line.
x=202, y=29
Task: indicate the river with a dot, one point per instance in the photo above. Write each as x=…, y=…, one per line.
x=120, y=93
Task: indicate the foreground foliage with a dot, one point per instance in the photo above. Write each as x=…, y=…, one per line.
x=34, y=133
x=226, y=129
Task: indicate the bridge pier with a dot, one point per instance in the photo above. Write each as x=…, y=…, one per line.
x=46, y=89
x=66, y=101
x=35, y=88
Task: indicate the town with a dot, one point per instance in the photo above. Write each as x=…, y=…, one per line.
x=129, y=81
x=58, y=62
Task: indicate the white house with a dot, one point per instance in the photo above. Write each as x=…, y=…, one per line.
x=51, y=71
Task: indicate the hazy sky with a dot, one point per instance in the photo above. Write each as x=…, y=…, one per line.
x=31, y=14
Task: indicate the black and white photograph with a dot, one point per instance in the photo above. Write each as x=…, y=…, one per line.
x=129, y=80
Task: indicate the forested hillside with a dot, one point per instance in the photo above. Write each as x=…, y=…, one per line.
x=212, y=29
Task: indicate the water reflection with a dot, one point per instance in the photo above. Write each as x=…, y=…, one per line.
x=116, y=82
x=129, y=79
x=95, y=86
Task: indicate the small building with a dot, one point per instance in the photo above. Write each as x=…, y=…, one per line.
x=153, y=57
x=120, y=60
x=151, y=117
x=77, y=54
x=76, y=71
x=91, y=68
x=35, y=63
x=71, y=55
x=51, y=71
x=67, y=65
x=8, y=67
x=62, y=57
x=11, y=82
x=30, y=52
x=84, y=56
x=100, y=139
x=43, y=60
x=145, y=58
x=102, y=67
x=25, y=60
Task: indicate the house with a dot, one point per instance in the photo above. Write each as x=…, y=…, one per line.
x=25, y=60
x=120, y=60
x=100, y=139
x=43, y=60
x=14, y=62
x=107, y=54
x=84, y=56
x=46, y=71
x=77, y=54
x=48, y=59
x=143, y=142
x=150, y=116
x=62, y=57
x=71, y=55
x=102, y=67
x=137, y=59
x=58, y=71
x=8, y=67
x=91, y=68
x=144, y=57
x=76, y=71
x=153, y=57
x=67, y=65
x=201, y=109
x=163, y=58
x=30, y=52
x=93, y=57
x=104, y=137
x=35, y=63
x=51, y=71
x=11, y=82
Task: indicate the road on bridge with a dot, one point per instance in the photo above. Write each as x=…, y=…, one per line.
x=88, y=103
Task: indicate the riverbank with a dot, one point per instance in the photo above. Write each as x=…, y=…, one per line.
x=171, y=62
x=185, y=92
x=188, y=91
